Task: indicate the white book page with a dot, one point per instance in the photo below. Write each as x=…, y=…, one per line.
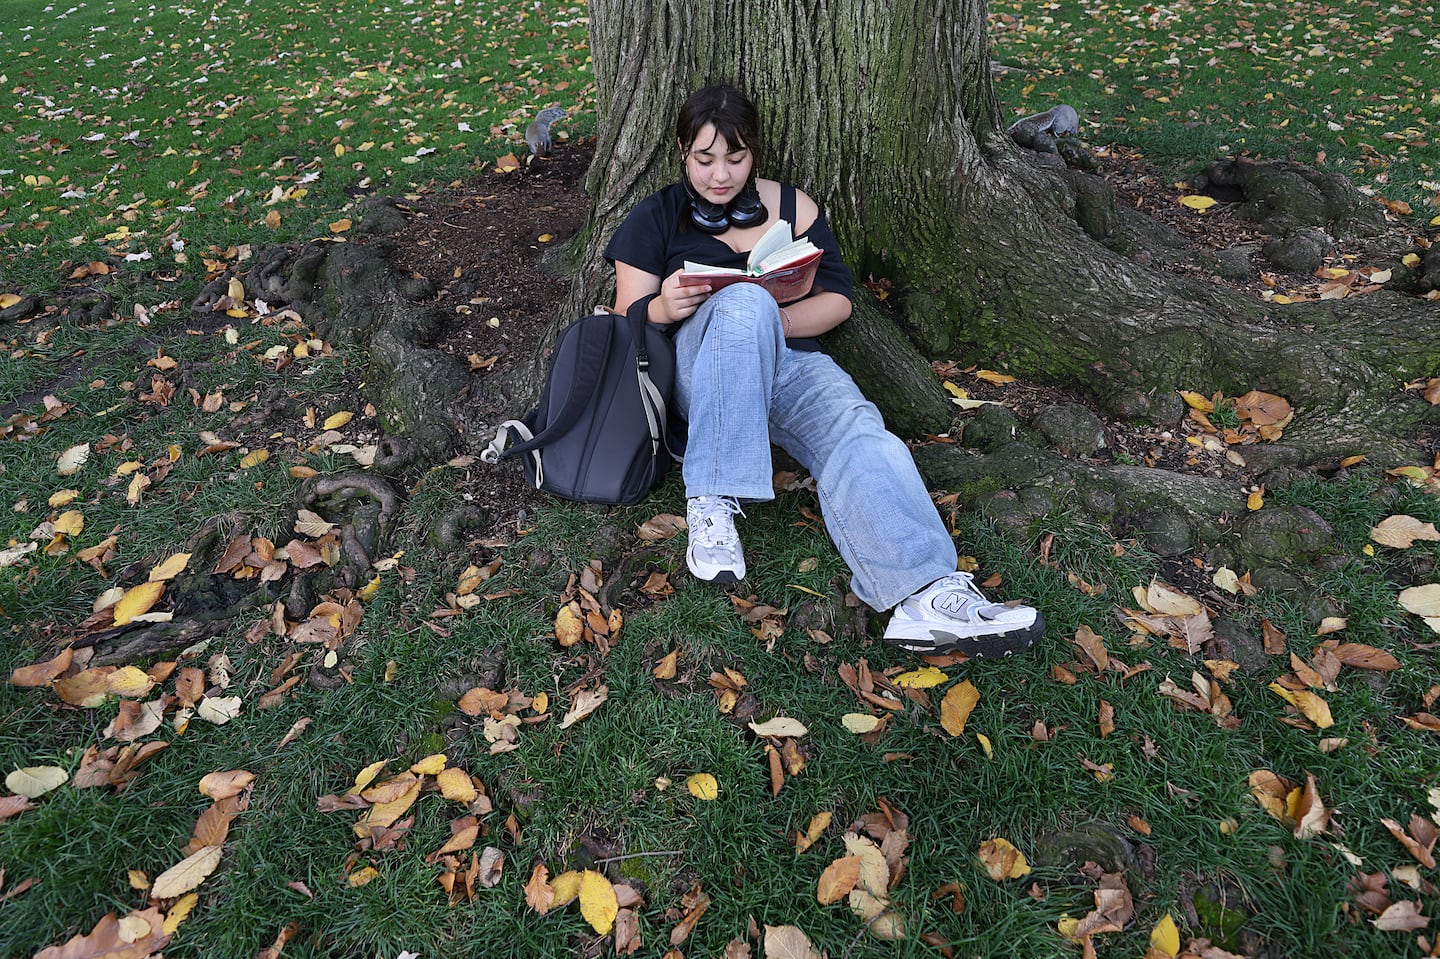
x=774, y=239
x=789, y=253
x=692, y=267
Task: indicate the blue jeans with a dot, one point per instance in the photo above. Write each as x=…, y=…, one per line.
x=742, y=388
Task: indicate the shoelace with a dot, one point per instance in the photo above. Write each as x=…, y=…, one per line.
x=970, y=599
x=712, y=528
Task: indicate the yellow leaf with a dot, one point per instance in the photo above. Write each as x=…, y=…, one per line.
x=990, y=376
x=703, y=786
x=956, y=390
x=923, y=678
x=860, y=723
x=339, y=149
x=1315, y=709
x=1330, y=624
x=63, y=497
x=368, y=591
x=1197, y=401
x=1411, y=260
x=235, y=289
x=546, y=237
x=1002, y=860
x=597, y=901
x=35, y=781
x=179, y=912
x=1255, y=500
x=955, y=708
x=186, y=874
x=70, y=522
x=455, y=785
x=361, y=877
x=138, y=880
x=254, y=458
x=340, y=225
x=169, y=569
x=984, y=741
x=129, y=682
x=1197, y=202
x=1165, y=936
x=8, y=300
x=430, y=765
x=138, y=600
x=138, y=483
x=336, y=420
x=566, y=887
x=569, y=626
x=367, y=775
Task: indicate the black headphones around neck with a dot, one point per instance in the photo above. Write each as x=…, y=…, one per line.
x=715, y=218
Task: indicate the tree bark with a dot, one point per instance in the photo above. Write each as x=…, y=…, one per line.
x=884, y=112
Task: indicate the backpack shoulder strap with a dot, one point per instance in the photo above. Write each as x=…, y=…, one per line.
x=787, y=204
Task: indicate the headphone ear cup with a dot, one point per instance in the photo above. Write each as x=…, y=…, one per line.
x=747, y=208
x=709, y=217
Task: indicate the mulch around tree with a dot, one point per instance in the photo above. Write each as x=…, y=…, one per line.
x=494, y=248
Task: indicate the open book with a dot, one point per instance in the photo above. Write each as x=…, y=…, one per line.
x=784, y=266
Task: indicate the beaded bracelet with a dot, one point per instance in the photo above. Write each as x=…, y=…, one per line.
x=785, y=321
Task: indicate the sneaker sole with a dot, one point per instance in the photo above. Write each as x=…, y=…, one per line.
x=723, y=575
x=990, y=645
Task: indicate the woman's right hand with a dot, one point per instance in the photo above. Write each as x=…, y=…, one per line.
x=677, y=302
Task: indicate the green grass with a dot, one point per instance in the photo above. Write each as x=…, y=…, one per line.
x=259, y=98
x=1341, y=88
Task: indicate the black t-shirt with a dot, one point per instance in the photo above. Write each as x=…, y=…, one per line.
x=658, y=237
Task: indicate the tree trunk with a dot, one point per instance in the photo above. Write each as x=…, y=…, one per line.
x=884, y=113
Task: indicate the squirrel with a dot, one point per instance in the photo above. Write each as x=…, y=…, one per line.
x=537, y=134
x=1042, y=131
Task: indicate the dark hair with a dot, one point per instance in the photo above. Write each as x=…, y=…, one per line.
x=734, y=116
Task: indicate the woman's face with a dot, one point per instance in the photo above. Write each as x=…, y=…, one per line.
x=718, y=171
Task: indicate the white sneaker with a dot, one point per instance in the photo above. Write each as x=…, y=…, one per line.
x=951, y=615
x=714, y=554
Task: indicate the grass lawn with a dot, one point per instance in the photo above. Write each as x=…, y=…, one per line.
x=150, y=147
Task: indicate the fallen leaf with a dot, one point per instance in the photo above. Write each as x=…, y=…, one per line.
x=1165, y=936
x=222, y=785
x=861, y=723
x=1402, y=917
x=837, y=880
x=137, y=601
x=1002, y=860
x=538, y=893
x=33, y=782
x=1197, y=202
x=1402, y=531
x=923, y=678
x=586, y=702
x=788, y=942
x=70, y=461
x=779, y=726
x=957, y=705
x=597, y=901
x=703, y=786
x=818, y=824
x=186, y=874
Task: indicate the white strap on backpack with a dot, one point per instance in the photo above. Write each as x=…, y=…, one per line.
x=491, y=453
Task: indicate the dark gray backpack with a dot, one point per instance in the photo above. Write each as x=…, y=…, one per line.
x=602, y=432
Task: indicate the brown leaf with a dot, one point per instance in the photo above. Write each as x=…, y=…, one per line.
x=41, y=674
x=666, y=667
x=586, y=702
x=661, y=526
x=818, y=824
x=539, y=894
x=1402, y=916
x=698, y=903
x=213, y=825
x=136, y=936
x=223, y=785
x=1419, y=841
x=1361, y=656
x=837, y=880
x=955, y=708
x=788, y=942
x=1272, y=637
x=1092, y=647
x=1107, y=719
